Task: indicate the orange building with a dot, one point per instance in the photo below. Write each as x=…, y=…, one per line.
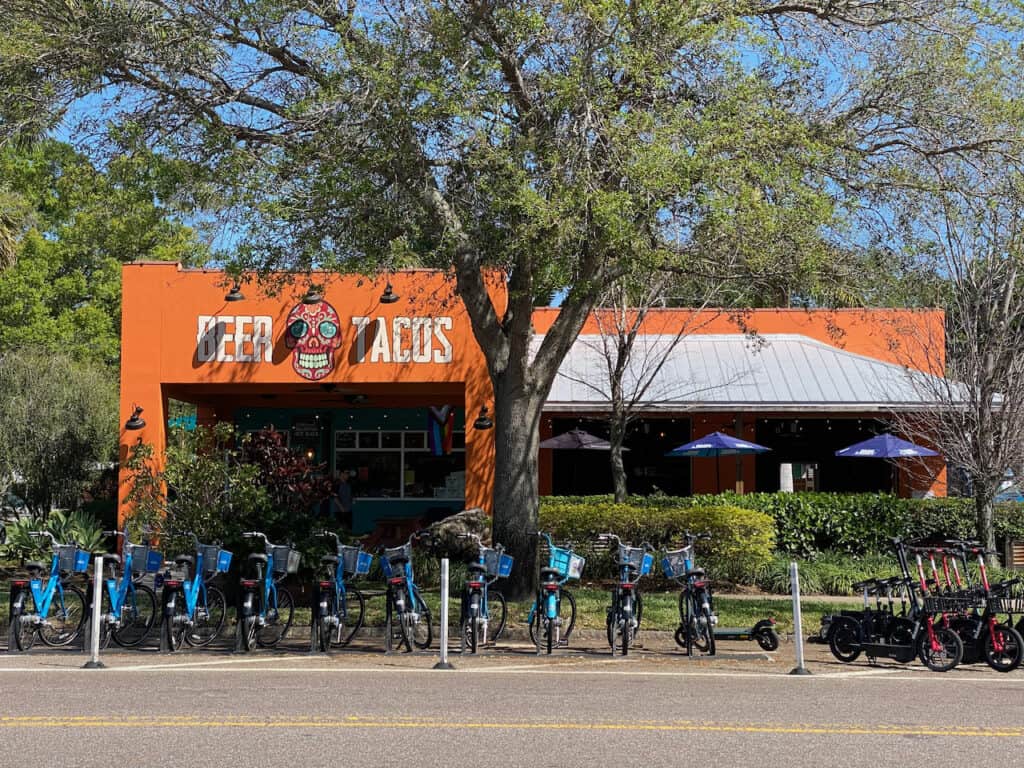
x=381, y=376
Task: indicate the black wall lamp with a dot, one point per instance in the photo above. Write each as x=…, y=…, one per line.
x=483, y=421
x=389, y=296
x=313, y=296
x=235, y=294
x=136, y=421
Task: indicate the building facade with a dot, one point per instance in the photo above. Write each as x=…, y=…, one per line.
x=383, y=377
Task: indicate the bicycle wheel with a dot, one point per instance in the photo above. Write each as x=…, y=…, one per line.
x=948, y=654
x=64, y=623
x=209, y=619
x=105, y=626
x=701, y=627
x=350, y=617
x=844, y=640
x=278, y=621
x=247, y=627
x=708, y=629
x=25, y=632
x=421, y=630
x=174, y=625
x=1009, y=658
x=497, y=614
x=138, y=614
x=568, y=598
x=324, y=624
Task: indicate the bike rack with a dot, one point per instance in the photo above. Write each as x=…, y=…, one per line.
x=93, y=632
x=798, y=631
x=444, y=663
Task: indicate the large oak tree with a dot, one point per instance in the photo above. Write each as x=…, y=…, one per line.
x=560, y=142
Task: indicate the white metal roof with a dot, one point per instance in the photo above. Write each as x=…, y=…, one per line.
x=770, y=372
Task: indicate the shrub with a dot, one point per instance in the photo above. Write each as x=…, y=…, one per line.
x=76, y=527
x=856, y=523
x=741, y=543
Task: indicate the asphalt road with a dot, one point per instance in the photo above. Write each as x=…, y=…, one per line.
x=507, y=708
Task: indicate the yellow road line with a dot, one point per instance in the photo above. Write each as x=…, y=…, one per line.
x=85, y=721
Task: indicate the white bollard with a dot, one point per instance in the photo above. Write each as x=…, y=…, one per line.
x=798, y=628
x=444, y=663
x=94, y=626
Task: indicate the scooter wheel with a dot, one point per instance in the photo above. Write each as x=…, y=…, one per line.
x=768, y=639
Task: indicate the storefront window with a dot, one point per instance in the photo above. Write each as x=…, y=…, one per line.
x=400, y=465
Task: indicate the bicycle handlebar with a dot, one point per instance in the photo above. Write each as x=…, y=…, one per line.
x=53, y=539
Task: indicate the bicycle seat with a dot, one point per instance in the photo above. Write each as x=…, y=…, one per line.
x=550, y=573
x=110, y=557
x=257, y=557
x=864, y=584
x=695, y=573
x=34, y=566
x=184, y=560
x=631, y=567
x=476, y=568
x=398, y=561
x=329, y=560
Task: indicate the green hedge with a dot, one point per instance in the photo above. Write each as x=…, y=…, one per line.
x=806, y=523
x=742, y=540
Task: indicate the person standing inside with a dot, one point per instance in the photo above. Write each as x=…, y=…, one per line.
x=342, y=499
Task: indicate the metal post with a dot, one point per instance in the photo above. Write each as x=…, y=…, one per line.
x=12, y=621
x=443, y=663
x=798, y=628
x=94, y=628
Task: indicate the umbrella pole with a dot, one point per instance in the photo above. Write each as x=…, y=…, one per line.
x=718, y=473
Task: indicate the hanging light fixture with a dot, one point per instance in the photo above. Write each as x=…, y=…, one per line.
x=313, y=296
x=235, y=294
x=483, y=421
x=136, y=421
x=389, y=296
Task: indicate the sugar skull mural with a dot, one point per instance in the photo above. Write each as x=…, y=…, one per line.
x=313, y=335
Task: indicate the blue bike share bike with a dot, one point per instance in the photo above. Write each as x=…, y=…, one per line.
x=265, y=608
x=626, y=610
x=545, y=619
x=341, y=605
x=482, y=608
x=48, y=606
x=406, y=609
x=128, y=608
x=193, y=610
x=697, y=618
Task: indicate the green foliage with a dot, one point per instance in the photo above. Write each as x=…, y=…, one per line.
x=68, y=227
x=218, y=485
x=76, y=527
x=58, y=423
x=741, y=540
x=855, y=523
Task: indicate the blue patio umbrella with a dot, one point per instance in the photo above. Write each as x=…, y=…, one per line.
x=886, y=446
x=714, y=445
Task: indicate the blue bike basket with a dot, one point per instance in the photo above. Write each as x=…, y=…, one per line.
x=393, y=553
x=498, y=563
x=144, y=559
x=566, y=562
x=71, y=559
x=286, y=559
x=354, y=560
x=674, y=563
x=637, y=557
x=215, y=559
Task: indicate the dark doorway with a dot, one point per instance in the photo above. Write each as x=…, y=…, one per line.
x=811, y=444
x=588, y=472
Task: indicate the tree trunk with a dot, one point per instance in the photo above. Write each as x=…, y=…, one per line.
x=617, y=437
x=515, y=505
x=984, y=506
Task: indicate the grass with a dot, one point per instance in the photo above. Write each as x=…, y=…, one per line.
x=661, y=610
